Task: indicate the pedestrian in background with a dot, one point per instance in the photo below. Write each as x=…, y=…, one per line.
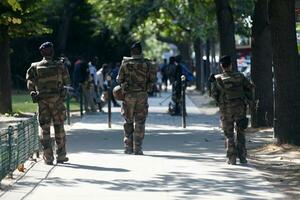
x=232, y=91
x=175, y=72
x=164, y=72
x=46, y=81
x=78, y=75
x=95, y=98
x=113, y=74
x=137, y=76
x=159, y=81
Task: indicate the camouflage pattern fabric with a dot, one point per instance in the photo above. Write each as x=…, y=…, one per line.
x=229, y=115
x=136, y=74
x=230, y=90
x=134, y=111
x=177, y=89
x=137, y=77
x=230, y=86
x=52, y=109
x=48, y=78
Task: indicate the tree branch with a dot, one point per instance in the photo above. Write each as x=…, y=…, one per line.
x=166, y=39
x=175, y=18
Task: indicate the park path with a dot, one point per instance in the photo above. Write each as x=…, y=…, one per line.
x=178, y=163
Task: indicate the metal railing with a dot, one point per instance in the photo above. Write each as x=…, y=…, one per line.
x=17, y=144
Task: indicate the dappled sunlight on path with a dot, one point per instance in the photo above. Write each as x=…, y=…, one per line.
x=178, y=163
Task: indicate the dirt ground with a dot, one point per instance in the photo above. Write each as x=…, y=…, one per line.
x=280, y=164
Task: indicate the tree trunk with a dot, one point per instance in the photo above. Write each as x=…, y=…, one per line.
x=286, y=72
x=185, y=52
x=207, y=64
x=5, y=75
x=65, y=24
x=198, y=57
x=214, y=66
x=261, y=68
x=226, y=30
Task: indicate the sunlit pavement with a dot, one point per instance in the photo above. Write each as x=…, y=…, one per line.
x=179, y=163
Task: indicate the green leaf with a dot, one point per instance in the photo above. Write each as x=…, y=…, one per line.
x=15, y=5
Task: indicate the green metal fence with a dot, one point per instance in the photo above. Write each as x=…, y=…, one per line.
x=17, y=144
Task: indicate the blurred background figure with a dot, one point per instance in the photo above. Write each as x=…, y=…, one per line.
x=175, y=72
x=101, y=73
x=154, y=90
x=82, y=81
x=164, y=73
x=114, y=73
x=94, y=83
x=159, y=81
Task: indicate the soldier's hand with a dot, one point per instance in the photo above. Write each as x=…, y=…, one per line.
x=63, y=92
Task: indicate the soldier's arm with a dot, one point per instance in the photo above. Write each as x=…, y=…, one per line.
x=215, y=91
x=247, y=85
x=249, y=90
x=66, y=76
x=31, y=78
x=121, y=74
x=215, y=88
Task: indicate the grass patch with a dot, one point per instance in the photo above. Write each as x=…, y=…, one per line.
x=22, y=103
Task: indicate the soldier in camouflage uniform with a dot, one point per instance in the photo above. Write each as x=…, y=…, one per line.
x=136, y=76
x=232, y=91
x=46, y=80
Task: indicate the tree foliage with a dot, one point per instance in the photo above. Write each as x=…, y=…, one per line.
x=24, y=18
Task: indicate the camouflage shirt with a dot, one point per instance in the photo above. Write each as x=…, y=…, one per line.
x=47, y=78
x=231, y=86
x=136, y=74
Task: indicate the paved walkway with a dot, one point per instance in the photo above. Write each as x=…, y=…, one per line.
x=178, y=163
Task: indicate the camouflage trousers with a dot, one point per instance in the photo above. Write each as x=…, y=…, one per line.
x=52, y=109
x=230, y=115
x=135, y=111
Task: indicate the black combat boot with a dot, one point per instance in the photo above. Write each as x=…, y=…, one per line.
x=138, y=152
x=48, y=152
x=62, y=160
x=128, y=138
x=128, y=145
x=242, y=153
x=137, y=147
x=48, y=162
x=128, y=150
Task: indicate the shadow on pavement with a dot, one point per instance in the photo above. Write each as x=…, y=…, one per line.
x=89, y=167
